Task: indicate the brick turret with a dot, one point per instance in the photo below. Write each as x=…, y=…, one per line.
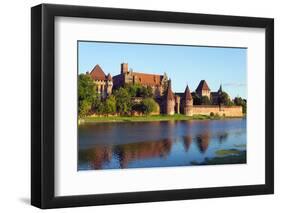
x=124, y=68
x=109, y=84
x=187, y=102
x=169, y=100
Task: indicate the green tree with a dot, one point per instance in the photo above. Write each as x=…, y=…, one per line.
x=150, y=92
x=84, y=108
x=145, y=92
x=148, y=105
x=132, y=89
x=137, y=90
x=196, y=99
x=238, y=101
x=123, y=100
x=99, y=107
x=110, y=105
x=205, y=100
x=87, y=94
x=224, y=99
x=137, y=107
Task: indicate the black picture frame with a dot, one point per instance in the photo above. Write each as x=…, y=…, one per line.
x=43, y=102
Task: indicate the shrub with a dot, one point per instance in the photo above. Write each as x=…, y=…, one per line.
x=84, y=108
x=148, y=105
x=217, y=115
x=123, y=100
x=137, y=107
x=110, y=105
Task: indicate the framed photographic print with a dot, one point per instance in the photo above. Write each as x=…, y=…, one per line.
x=140, y=106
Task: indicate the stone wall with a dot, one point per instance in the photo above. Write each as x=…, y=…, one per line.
x=104, y=88
x=230, y=111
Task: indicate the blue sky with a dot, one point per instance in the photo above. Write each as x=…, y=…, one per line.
x=183, y=64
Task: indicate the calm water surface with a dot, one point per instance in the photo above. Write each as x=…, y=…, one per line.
x=158, y=144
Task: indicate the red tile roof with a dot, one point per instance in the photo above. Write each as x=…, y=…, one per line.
x=109, y=77
x=97, y=73
x=148, y=79
x=203, y=86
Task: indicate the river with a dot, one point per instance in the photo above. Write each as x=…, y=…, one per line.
x=161, y=144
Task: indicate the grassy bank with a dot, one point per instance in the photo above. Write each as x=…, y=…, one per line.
x=176, y=117
x=230, y=157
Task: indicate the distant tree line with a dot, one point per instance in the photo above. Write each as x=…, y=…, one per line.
x=238, y=101
x=223, y=99
x=121, y=101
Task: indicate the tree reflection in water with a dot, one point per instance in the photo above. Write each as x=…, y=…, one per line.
x=187, y=140
x=202, y=141
x=143, y=150
x=177, y=145
x=99, y=155
x=222, y=137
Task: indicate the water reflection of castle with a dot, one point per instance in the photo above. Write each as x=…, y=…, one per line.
x=143, y=150
x=100, y=155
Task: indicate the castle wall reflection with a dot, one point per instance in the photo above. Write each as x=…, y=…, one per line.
x=157, y=144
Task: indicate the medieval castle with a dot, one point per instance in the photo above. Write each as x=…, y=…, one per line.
x=169, y=102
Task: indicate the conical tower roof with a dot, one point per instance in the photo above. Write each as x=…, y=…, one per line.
x=170, y=94
x=220, y=89
x=109, y=77
x=187, y=94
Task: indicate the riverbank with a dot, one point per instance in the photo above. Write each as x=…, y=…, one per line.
x=149, y=118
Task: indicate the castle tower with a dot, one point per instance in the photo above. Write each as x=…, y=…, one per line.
x=101, y=81
x=124, y=68
x=203, y=89
x=169, y=101
x=177, y=104
x=220, y=90
x=219, y=96
x=187, y=102
x=109, y=84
